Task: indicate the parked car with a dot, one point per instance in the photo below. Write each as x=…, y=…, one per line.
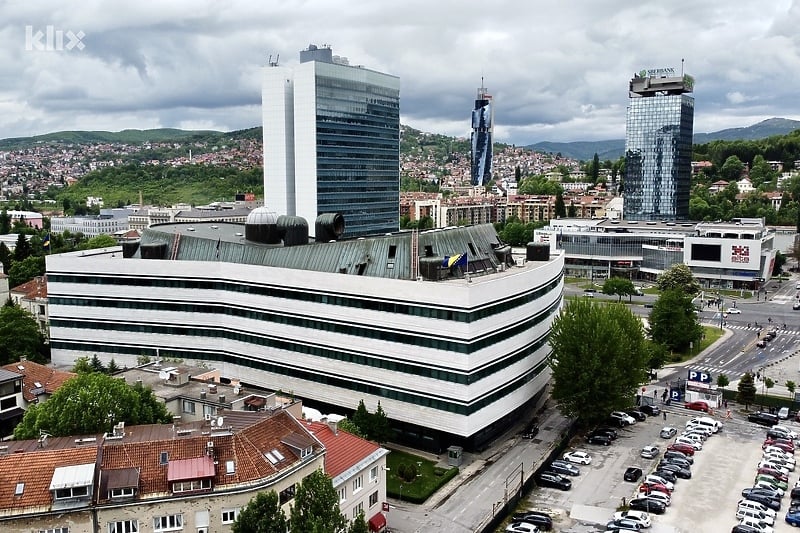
x=668, y=432
x=531, y=431
x=652, y=410
x=784, y=444
x=765, y=419
x=564, y=468
x=650, y=452
x=622, y=418
x=655, y=478
x=611, y=432
x=755, y=515
x=750, y=504
x=639, y=516
x=679, y=471
x=762, y=491
x=792, y=434
x=733, y=311
x=647, y=487
x=683, y=463
x=638, y=415
x=632, y=473
x=669, y=476
x=776, y=483
x=760, y=525
x=764, y=499
x=598, y=438
x=700, y=428
x=521, y=527
x=683, y=448
x=647, y=505
x=783, y=414
x=581, y=458
x=742, y=528
x=695, y=436
x=793, y=517
x=540, y=520
x=761, y=343
x=548, y=479
x=775, y=466
x=769, y=485
x=658, y=496
x=777, y=474
x=691, y=442
x=681, y=455
x=697, y=406
x=778, y=451
x=624, y=524
x=714, y=425
x=773, y=433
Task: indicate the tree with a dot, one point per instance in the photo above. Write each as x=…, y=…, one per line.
x=361, y=418
x=722, y=381
x=381, y=430
x=572, y=211
x=5, y=222
x=22, y=249
x=657, y=354
x=262, y=514
x=561, y=209
x=780, y=260
x=25, y=270
x=100, y=241
x=673, y=321
x=82, y=365
x=359, y=524
x=316, y=506
x=598, y=359
x=92, y=403
x=769, y=383
x=791, y=386
x=96, y=364
x=747, y=390
x=6, y=257
x=347, y=425
x=619, y=286
x=678, y=276
x=732, y=169
x=19, y=334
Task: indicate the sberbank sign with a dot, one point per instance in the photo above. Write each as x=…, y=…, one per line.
x=669, y=71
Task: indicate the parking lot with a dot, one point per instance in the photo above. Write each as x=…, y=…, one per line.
x=705, y=503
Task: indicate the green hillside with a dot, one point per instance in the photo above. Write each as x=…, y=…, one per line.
x=130, y=137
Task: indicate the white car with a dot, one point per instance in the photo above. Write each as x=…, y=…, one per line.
x=650, y=452
x=760, y=526
x=733, y=311
x=698, y=428
x=640, y=517
x=691, y=442
x=710, y=423
x=781, y=457
x=755, y=515
x=764, y=485
x=775, y=466
x=658, y=496
x=780, y=452
x=778, y=461
x=654, y=478
x=624, y=418
x=792, y=434
x=750, y=504
x=581, y=458
x=697, y=437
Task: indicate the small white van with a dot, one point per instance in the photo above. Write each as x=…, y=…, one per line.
x=755, y=506
x=783, y=413
x=706, y=421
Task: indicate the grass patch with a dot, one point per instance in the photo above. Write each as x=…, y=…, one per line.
x=430, y=478
x=711, y=334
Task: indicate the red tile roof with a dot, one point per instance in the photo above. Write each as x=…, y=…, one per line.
x=35, y=288
x=49, y=379
x=344, y=449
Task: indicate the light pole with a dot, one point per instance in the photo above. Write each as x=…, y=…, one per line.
x=401, y=492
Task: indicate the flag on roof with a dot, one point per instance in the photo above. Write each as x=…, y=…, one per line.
x=46, y=241
x=458, y=260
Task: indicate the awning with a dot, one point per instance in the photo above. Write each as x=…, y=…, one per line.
x=196, y=468
x=377, y=523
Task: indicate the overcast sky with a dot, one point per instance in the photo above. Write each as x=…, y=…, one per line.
x=558, y=70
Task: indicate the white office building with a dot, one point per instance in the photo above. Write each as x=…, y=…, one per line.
x=455, y=354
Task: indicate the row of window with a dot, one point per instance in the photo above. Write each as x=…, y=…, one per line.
x=327, y=352
x=301, y=321
x=161, y=524
x=219, y=356
x=401, y=308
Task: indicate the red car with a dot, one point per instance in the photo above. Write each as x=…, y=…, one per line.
x=647, y=488
x=783, y=444
x=774, y=473
x=683, y=448
x=697, y=406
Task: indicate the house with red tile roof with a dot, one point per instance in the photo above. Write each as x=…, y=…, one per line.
x=39, y=382
x=358, y=470
x=161, y=477
x=32, y=297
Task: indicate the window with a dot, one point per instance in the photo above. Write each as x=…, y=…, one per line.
x=164, y=459
x=124, y=526
x=188, y=407
x=55, y=530
x=230, y=467
x=358, y=483
x=126, y=492
x=373, y=474
x=286, y=494
x=172, y=522
x=72, y=492
x=358, y=509
x=190, y=485
x=229, y=515
x=342, y=494
x=8, y=403
x=373, y=499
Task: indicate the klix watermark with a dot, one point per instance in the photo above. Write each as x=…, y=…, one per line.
x=53, y=40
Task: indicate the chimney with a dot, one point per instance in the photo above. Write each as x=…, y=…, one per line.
x=334, y=426
x=221, y=398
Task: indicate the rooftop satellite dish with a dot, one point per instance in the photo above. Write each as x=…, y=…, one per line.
x=219, y=421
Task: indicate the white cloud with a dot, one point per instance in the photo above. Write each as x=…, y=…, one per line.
x=558, y=70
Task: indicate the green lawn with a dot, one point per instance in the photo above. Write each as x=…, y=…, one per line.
x=712, y=333
x=429, y=477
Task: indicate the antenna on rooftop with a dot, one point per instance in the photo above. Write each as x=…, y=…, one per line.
x=272, y=63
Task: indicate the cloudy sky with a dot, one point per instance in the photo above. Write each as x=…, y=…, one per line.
x=558, y=70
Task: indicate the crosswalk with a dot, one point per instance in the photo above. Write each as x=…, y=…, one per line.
x=781, y=331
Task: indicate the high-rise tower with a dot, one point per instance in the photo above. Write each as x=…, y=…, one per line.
x=658, y=146
x=332, y=142
x=482, y=126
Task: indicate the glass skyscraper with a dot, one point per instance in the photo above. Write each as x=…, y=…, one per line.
x=482, y=130
x=332, y=142
x=658, y=146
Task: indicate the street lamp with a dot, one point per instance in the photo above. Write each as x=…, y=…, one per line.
x=401, y=492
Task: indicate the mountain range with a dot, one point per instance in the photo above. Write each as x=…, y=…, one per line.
x=581, y=150
x=614, y=149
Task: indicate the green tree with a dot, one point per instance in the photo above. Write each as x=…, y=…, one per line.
x=92, y=403
x=619, y=286
x=780, y=260
x=598, y=359
x=572, y=211
x=657, y=354
x=316, y=506
x=5, y=222
x=82, y=365
x=25, y=270
x=790, y=387
x=6, y=257
x=347, y=425
x=262, y=514
x=561, y=209
x=768, y=383
x=747, y=390
x=722, y=381
x=112, y=367
x=381, y=430
x=732, y=169
x=19, y=334
x=359, y=524
x=673, y=321
x=595, y=169
x=361, y=418
x=100, y=241
x=22, y=249
x=515, y=234
x=679, y=277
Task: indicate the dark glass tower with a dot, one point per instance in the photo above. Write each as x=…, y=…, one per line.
x=658, y=146
x=482, y=126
